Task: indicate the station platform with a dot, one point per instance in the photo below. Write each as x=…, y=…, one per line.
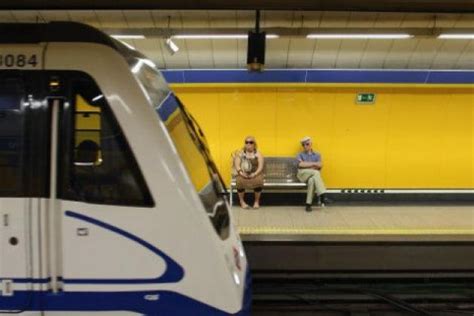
x=358, y=222
x=360, y=240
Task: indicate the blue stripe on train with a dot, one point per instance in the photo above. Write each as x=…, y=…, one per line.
x=144, y=302
x=320, y=76
x=173, y=273
x=28, y=280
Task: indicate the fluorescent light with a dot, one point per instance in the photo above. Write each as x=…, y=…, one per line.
x=219, y=36
x=359, y=36
x=456, y=36
x=120, y=36
x=211, y=36
x=272, y=36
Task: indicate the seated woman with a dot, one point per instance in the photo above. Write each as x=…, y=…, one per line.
x=249, y=166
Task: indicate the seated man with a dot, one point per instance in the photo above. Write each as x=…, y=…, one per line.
x=309, y=166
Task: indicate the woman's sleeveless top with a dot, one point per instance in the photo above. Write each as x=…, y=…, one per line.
x=248, y=164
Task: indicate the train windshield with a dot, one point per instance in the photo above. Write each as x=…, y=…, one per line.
x=189, y=141
x=184, y=130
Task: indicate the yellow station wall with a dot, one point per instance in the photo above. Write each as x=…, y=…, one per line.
x=412, y=137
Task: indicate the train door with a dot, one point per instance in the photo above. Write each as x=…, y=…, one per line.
x=103, y=204
x=24, y=154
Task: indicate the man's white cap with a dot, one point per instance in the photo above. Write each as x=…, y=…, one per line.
x=305, y=139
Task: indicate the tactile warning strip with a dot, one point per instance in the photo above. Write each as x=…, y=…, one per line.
x=352, y=231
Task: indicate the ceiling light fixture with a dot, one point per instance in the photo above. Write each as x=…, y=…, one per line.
x=256, y=44
x=219, y=36
x=171, y=46
x=131, y=37
x=456, y=36
x=359, y=36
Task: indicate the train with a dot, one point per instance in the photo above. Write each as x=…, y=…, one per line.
x=110, y=201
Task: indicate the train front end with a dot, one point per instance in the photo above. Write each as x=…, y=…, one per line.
x=190, y=143
x=108, y=184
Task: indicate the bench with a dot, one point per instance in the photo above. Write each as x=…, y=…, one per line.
x=280, y=176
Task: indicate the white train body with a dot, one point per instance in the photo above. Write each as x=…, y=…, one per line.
x=142, y=228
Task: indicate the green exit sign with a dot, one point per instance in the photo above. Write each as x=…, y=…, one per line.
x=365, y=98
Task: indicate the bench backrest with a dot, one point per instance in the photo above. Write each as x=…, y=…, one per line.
x=280, y=169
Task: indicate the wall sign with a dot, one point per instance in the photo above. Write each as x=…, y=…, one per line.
x=365, y=98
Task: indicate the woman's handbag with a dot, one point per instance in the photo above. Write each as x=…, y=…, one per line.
x=245, y=164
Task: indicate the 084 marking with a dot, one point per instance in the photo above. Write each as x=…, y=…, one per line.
x=18, y=61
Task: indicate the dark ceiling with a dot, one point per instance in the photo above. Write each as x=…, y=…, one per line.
x=435, y=6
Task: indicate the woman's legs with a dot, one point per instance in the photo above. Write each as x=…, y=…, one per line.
x=258, y=193
x=241, y=194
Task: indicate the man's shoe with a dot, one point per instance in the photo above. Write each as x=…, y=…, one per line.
x=325, y=200
x=308, y=208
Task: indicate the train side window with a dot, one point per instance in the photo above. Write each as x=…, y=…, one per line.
x=100, y=167
x=12, y=132
x=24, y=141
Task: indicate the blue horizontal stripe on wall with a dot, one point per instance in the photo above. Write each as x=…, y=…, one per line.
x=167, y=107
x=320, y=76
